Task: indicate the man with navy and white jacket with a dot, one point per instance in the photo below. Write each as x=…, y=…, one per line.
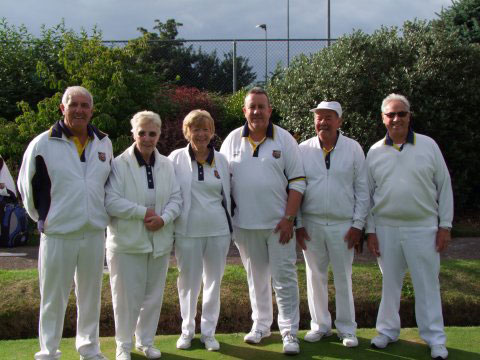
x=409, y=223
x=62, y=181
x=330, y=223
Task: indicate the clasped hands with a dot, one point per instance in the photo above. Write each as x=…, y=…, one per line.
x=152, y=221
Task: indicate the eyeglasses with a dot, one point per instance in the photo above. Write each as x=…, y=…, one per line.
x=391, y=115
x=143, y=133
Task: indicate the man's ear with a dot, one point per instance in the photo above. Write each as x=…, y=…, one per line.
x=62, y=108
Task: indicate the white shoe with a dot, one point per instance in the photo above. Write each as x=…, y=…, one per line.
x=381, y=341
x=316, y=335
x=290, y=344
x=150, y=352
x=439, y=352
x=255, y=336
x=348, y=340
x=211, y=344
x=122, y=354
x=99, y=356
x=184, y=341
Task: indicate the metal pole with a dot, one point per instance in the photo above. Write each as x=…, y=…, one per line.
x=234, y=67
x=288, y=33
x=328, y=22
x=266, y=57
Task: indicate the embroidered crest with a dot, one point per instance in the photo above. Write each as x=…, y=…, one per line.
x=217, y=175
x=102, y=156
x=276, y=154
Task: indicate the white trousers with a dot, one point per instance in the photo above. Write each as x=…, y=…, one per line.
x=198, y=259
x=412, y=248
x=62, y=261
x=327, y=245
x=137, y=282
x=267, y=263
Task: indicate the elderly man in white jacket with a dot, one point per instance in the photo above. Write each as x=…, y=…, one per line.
x=409, y=223
x=143, y=199
x=331, y=219
x=62, y=184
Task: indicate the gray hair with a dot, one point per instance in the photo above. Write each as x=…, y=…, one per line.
x=76, y=90
x=145, y=117
x=395, y=97
x=258, y=90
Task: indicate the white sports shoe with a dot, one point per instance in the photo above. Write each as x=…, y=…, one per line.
x=381, y=341
x=316, y=335
x=439, y=352
x=348, y=340
x=150, y=352
x=184, y=341
x=211, y=344
x=290, y=344
x=122, y=354
x=255, y=336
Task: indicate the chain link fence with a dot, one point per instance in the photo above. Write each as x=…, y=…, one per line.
x=243, y=62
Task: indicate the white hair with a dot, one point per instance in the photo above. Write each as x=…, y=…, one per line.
x=395, y=97
x=145, y=117
x=76, y=90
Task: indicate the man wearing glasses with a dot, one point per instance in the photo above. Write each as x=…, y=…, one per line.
x=409, y=223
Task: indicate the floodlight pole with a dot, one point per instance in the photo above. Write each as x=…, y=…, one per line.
x=264, y=27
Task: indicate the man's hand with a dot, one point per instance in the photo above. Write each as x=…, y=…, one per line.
x=301, y=235
x=286, y=230
x=442, y=239
x=372, y=243
x=2, y=185
x=353, y=237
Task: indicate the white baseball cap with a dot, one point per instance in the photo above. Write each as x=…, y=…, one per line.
x=329, y=105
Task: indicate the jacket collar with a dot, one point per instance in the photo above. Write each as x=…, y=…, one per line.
x=59, y=128
x=141, y=161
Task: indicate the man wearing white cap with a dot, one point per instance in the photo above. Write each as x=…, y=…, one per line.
x=264, y=161
x=331, y=219
x=409, y=223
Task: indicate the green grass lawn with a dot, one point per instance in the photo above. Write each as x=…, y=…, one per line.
x=460, y=289
x=462, y=344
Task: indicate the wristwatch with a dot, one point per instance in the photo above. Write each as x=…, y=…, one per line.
x=446, y=228
x=290, y=218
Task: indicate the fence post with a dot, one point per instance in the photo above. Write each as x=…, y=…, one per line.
x=234, y=59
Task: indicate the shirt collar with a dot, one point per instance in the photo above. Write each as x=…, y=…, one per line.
x=410, y=138
x=68, y=133
x=246, y=130
x=210, y=156
x=141, y=161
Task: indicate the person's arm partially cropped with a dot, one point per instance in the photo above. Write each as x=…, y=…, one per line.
x=443, y=184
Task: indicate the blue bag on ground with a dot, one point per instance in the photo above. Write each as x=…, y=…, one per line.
x=14, y=230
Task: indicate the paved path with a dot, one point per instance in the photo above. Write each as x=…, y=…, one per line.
x=26, y=257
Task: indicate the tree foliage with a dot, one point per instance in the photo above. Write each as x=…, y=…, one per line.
x=426, y=63
x=463, y=16
x=183, y=65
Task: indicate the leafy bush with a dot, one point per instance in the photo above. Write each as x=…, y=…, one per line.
x=437, y=71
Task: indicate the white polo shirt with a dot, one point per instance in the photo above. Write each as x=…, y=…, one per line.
x=261, y=175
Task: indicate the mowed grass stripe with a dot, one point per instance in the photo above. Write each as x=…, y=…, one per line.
x=462, y=343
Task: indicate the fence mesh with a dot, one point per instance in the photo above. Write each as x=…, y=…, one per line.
x=261, y=56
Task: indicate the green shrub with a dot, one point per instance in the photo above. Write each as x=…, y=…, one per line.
x=436, y=70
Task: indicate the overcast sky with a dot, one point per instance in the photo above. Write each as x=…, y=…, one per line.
x=219, y=19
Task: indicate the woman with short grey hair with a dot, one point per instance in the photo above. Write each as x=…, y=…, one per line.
x=143, y=199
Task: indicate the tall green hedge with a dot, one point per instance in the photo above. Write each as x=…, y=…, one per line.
x=437, y=71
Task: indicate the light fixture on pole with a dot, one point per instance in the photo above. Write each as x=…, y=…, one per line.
x=264, y=27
